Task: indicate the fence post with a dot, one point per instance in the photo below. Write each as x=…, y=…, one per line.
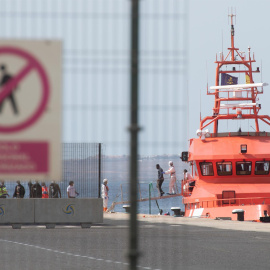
x=150, y=198
x=134, y=129
x=99, y=170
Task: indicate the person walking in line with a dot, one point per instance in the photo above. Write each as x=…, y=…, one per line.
x=172, y=183
x=45, y=193
x=3, y=190
x=105, y=191
x=54, y=190
x=30, y=189
x=19, y=190
x=36, y=190
x=160, y=180
x=71, y=191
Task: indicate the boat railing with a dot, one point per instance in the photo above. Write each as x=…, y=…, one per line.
x=234, y=134
x=229, y=202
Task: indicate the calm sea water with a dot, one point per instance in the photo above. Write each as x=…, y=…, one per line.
x=120, y=191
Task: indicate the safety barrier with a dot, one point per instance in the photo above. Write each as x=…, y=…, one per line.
x=51, y=212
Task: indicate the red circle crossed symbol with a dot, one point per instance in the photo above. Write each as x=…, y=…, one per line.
x=32, y=63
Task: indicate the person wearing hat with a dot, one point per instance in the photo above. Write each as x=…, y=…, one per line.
x=172, y=183
x=19, y=190
x=105, y=191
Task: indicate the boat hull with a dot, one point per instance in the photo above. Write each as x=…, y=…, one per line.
x=251, y=212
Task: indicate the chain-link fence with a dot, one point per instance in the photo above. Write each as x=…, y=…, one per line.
x=83, y=164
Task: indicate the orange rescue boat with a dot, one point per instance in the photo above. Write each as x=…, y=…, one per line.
x=230, y=170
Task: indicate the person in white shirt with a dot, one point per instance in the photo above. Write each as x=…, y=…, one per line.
x=71, y=191
x=188, y=176
x=172, y=183
x=105, y=190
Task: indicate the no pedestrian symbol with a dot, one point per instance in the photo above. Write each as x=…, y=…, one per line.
x=6, y=90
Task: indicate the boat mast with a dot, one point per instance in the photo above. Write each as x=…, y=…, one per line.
x=220, y=64
x=232, y=38
x=247, y=96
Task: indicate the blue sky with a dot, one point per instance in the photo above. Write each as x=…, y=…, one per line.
x=209, y=25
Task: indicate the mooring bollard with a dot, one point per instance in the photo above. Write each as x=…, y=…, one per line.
x=127, y=208
x=176, y=211
x=240, y=214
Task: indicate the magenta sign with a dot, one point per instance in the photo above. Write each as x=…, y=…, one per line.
x=24, y=157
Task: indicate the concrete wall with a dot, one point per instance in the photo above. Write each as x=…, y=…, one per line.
x=56, y=211
x=68, y=210
x=17, y=211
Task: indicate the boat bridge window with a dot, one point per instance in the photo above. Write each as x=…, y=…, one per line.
x=206, y=168
x=243, y=168
x=262, y=167
x=224, y=168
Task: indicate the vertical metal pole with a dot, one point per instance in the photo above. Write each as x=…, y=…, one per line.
x=150, y=198
x=140, y=191
x=99, y=170
x=134, y=128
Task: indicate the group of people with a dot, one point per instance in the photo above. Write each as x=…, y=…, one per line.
x=35, y=190
x=38, y=191
x=42, y=191
x=172, y=185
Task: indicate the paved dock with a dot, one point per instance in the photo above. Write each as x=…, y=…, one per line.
x=201, y=222
x=165, y=243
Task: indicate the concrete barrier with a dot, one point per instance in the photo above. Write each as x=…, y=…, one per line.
x=68, y=211
x=16, y=211
x=51, y=212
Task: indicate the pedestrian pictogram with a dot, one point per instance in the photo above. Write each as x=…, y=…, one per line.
x=9, y=84
x=6, y=77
